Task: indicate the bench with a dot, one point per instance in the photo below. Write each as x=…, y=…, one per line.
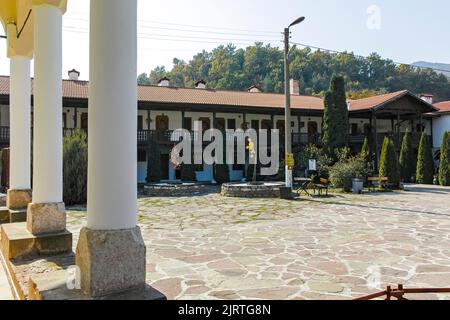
x=322, y=186
x=377, y=182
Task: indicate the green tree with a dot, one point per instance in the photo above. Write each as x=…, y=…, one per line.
x=341, y=108
x=389, y=163
x=365, y=152
x=75, y=160
x=425, y=163
x=153, y=162
x=444, y=163
x=406, y=161
x=329, y=123
x=229, y=68
x=335, y=122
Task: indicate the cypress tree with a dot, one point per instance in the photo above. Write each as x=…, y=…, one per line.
x=341, y=108
x=406, y=160
x=365, y=151
x=335, y=122
x=425, y=163
x=444, y=163
x=389, y=163
x=329, y=123
x=153, y=162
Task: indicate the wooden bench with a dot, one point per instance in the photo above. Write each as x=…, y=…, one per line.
x=377, y=182
x=322, y=186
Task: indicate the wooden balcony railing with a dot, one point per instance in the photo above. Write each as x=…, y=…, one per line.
x=4, y=135
x=297, y=138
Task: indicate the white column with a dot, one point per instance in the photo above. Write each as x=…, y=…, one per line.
x=20, y=118
x=47, y=156
x=112, y=173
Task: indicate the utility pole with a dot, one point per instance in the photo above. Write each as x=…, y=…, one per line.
x=287, y=126
x=289, y=156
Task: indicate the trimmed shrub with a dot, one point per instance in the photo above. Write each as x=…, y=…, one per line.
x=343, y=173
x=75, y=162
x=389, y=163
x=406, y=161
x=425, y=163
x=444, y=163
x=153, y=162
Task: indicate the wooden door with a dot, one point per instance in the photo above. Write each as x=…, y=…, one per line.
x=84, y=121
x=164, y=167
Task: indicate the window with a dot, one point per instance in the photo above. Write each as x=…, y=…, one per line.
x=312, y=127
x=266, y=125
x=232, y=124
x=220, y=124
x=255, y=125
x=206, y=123
x=162, y=123
x=187, y=124
x=281, y=126
x=354, y=129
x=64, y=120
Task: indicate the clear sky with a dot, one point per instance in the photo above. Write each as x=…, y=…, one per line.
x=405, y=31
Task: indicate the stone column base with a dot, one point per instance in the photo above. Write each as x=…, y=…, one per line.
x=17, y=241
x=18, y=199
x=111, y=261
x=44, y=218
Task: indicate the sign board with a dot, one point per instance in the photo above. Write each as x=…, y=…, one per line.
x=312, y=165
x=290, y=162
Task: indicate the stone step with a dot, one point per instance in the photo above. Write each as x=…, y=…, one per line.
x=16, y=216
x=17, y=241
x=58, y=285
x=4, y=215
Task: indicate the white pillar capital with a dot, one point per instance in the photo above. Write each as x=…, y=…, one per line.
x=59, y=4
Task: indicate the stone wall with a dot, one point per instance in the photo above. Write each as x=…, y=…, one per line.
x=240, y=190
x=173, y=190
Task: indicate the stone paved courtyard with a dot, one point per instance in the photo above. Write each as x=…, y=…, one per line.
x=210, y=247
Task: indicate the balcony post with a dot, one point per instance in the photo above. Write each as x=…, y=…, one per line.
x=111, y=253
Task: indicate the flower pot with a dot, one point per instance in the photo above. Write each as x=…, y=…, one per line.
x=357, y=186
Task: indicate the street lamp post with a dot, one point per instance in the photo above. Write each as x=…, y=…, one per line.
x=288, y=134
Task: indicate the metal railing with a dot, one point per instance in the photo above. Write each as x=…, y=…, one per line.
x=400, y=292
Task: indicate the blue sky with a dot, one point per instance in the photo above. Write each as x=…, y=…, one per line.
x=408, y=30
